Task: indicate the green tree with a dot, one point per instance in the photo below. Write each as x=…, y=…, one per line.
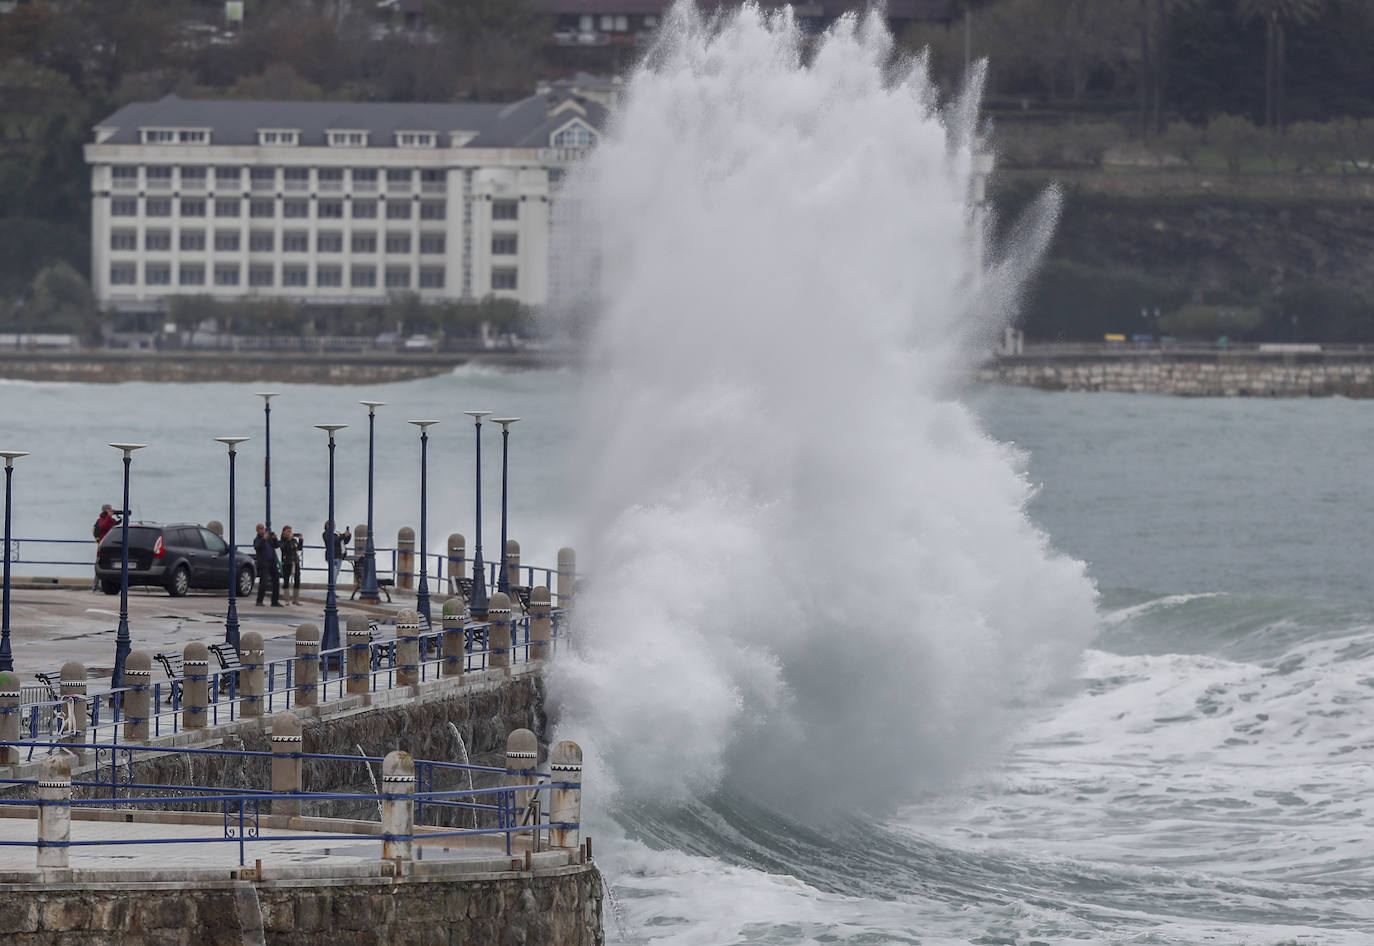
x=498, y=42
x=1276, y=14
x=61, y=301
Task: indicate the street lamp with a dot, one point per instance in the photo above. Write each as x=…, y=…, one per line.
x=122, y=645
x=503, y=581
x=422, y=596
x=330, y=639
x=267, y=454
x=231, y=616
x=6, y=657
x=369, y=593
x=478, y=603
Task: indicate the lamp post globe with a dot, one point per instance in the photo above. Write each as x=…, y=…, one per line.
x=422, y=595
x=478, y=604
x=231, y=613
x=368, y=593
x=329, y=639
x=122, y=642
x=6, y=655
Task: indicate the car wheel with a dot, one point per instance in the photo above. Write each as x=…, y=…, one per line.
x=110, y=586
x=180, y=582
x=245, y=581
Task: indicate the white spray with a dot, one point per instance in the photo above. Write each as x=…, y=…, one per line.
x=812, y=574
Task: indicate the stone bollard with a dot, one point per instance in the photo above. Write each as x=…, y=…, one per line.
x=307, y=665
x=10, y=696
x=73, y=687
x=498, y=631
x=405, y=557
x=512, y=562
x=456, y=562
x=565, y=805
x=287, y=767
x=215, y=526
x=541, y=624
x=359, y=539
x=455, y=638
x=567, y=570
x=54, y=810
x=138, y=702
x=522, y=756
x=195, y=690
x=252, y=678
x=358, y=637
x=407, y=647
x=398, y=814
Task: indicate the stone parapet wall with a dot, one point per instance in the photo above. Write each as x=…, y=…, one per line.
x=1217, y=375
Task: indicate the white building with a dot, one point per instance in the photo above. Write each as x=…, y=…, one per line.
x=329, y=203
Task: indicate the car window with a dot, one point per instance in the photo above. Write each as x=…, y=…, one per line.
x=140, y=537
x=184, y=538
x=212, y=542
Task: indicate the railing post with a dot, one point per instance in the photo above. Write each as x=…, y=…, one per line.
x=565, y=765
x=252, y=680
x=398, y=813
x=307, y=665
x=522, y=756
x=455, y=640
x=359, y=640
x=138, y=702
x=54, y=810
x=11, y=694
x=287, y=767
x=73, y=686
x=567, y=569
x=405, y=558
x=541, y=624
x=512, y=563
x=195, y=689
x=499, y=634
x=455, y=562
x=407, y=647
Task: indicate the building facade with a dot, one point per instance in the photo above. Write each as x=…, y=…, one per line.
x=329, y=203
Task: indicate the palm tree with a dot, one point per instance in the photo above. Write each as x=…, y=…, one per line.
x=1276, y=14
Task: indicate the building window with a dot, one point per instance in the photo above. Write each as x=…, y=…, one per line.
x=227, y=177
x=364, y=243
x=157, y=274
x=189, y=208
x=433, y=180
x=362, y=277
x=329, y=210
x=261, y=241
x=123, y=274
x=226, y=241
x=123, y=239
x=505, y=210
x=415, y=139
x=260, y=275
x=192, y=240
x=157, y=240
x=364, y=209
x=227, y=207
x=191, y=274
x=161, y=207
x=431, y=243
x=278, y=136
x=347, y=139
x=398, y=242
x=159, y=176
x=398, y=278
x=555, y=176
x=158, y=136
x=263, y=179
x=295, y=241
x=503, y=279
x=431, y=278
x=262, y=208
x=124, y=176
x=432, y=209
x=295, y=209
x=397, y=176
x=295, y=276
x=123, y=207
x=330, y=175
x=364, y=179
x=193, y=137
x=193, y=177
x=329, y=276
x=329, y=241
x=296, y=179
x=574, y=136
x=226, y=274
x=398, y=210
x=504, y=244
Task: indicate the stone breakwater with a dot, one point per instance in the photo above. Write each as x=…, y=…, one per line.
x=1211, y=374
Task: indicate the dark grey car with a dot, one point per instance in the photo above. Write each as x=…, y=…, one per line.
x=178, y=556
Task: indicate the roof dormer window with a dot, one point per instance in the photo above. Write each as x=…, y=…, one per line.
x=348, y=139
x=574, y=135
x=172, y=136
x=285, y=137
x=415, y=139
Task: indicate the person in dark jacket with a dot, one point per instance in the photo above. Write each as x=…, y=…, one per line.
x=291, y=564
x=340, y=541
x=107, y=520
x=265, y=556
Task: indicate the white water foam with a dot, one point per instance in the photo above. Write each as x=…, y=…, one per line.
x=812, y=571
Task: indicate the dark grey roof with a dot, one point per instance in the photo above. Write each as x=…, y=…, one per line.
x=526, y=123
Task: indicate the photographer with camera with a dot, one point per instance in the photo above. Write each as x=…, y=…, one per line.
x=265, y=546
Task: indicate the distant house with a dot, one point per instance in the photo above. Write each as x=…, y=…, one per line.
x=329, y=202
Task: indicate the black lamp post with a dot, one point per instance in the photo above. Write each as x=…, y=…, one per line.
x=267, y=453
x=503, y=580
x=369, y=593
x=122, y=643
x=231, y=615
x=422, y=596
x=6, y=656
x=478, y=604
x=329, y=640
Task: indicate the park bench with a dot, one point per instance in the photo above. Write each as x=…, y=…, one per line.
x=522, y=594
x=52, y=680
x=383, y=584
x=228, y=657
x=175, y=668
